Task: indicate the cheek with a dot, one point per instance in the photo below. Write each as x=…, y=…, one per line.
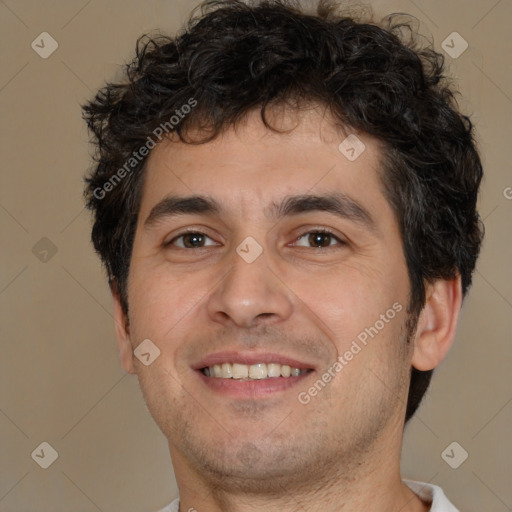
x=350, y=300
x=158, y=299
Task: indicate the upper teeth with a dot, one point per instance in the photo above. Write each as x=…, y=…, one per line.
x=253, y=371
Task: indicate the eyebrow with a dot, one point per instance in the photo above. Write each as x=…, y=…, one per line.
x=338, y=204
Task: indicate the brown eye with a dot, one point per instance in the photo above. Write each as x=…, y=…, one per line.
x=319, y=239
x=191, y=240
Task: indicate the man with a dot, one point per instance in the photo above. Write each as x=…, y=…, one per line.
x=285, y=204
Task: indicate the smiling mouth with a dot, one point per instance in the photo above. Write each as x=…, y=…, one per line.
x=258, y=371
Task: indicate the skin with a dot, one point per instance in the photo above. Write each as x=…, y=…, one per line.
x=341, y=451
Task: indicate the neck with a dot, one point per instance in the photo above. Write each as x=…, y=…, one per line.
x=372, y=485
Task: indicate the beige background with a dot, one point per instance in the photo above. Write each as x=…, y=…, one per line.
x=61, y=380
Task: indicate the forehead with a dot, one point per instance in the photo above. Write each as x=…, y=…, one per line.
x=249, y=167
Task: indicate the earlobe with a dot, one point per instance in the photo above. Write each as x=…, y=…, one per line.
x=122, y=333
x=437, y=323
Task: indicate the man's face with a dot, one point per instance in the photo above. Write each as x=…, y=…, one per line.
x=208, y=298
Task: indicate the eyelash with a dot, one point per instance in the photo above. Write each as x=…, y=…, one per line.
x=341, y=242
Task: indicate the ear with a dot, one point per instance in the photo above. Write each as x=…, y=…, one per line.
x=437, y=323
x=122, y=332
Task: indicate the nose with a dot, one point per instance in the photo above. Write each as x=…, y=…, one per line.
x=250, y=294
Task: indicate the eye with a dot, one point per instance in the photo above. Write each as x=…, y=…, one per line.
x=319, y=239
x=191, y=240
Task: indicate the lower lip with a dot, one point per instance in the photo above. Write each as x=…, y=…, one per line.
x=247, y=389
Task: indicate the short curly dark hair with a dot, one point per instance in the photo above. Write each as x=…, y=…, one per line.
x=232, y=58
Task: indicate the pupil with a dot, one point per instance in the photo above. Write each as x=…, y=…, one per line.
x=192, y=240
x=319, y=239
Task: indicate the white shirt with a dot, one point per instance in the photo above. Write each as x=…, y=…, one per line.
x=427, y=492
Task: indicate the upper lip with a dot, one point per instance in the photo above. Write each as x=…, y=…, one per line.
x=249, y=358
